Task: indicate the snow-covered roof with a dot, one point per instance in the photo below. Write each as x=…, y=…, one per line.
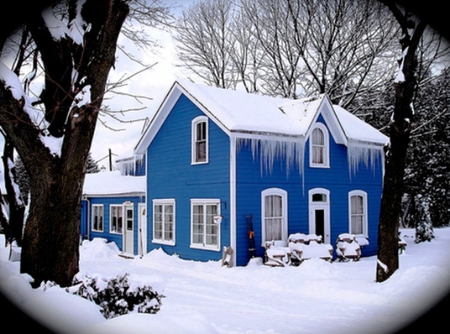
x=243, y=115
x=113, y=183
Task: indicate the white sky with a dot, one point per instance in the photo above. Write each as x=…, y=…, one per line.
x=153, y=83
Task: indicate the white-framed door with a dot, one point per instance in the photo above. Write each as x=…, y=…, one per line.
x=319, y=213
x=142, y=226
x=128, y=229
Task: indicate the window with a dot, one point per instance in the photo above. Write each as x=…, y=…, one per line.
x=116, y=218
x=129, y=218
x=319, y=146
x=274, y=214
x=164, y=221
x=358, y=212
x=200, y=140
x=204, y=232
x=97, y=217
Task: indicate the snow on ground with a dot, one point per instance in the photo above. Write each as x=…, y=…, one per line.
x=203, y=297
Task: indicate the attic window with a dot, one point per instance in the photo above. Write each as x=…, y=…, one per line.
x=200, y=140
x=319, y=146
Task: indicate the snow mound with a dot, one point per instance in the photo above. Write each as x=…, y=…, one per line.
x=98, y=248
x=55, y=309
x=316, y=267
x=16, y=287
x=163, y=323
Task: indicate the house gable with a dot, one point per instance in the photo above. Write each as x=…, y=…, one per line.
x=173, y=177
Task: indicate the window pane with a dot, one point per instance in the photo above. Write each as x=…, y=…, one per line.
x=200, y=151
x=319, y=198
x=357, y=204
x=318, y=137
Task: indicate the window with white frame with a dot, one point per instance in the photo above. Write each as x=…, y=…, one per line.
x=358, y=212
x=116, y=218
x=274, y=214
x=97, y=217
x=205, y=233
x=164, y=221
x=319, y=146
x=200, y=140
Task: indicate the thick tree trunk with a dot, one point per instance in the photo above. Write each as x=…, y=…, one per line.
x=405, y=87
x=52, y=232
x=391, y=200
x=50, y=250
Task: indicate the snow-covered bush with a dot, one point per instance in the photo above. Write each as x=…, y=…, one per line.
x=424, y=228
x=117, y=296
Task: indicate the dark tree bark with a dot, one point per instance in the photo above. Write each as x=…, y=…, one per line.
x=405, y=87
x=50, y=250
x=16, y=206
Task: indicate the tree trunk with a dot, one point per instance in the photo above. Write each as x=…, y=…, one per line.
x=405, y=87
x=50, y=250
x=52, y=231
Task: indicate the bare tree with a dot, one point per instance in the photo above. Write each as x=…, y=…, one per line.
x=405, y=87
x=203, y=37
x=75, y=42
x=274, y=32
x=291, y=48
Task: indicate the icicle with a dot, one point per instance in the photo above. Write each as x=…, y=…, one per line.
x=362, y=153
x=271, y=150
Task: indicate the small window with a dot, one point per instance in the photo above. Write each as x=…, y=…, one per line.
x=319, y=146
x=358, y=212
x=200, y=140
x=205, y=233
x=164, y=221
x=319, y=197
x=97, y=217
x=116, y=218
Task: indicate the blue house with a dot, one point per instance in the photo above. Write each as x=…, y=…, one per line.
x=218, y=159
x=113, y=206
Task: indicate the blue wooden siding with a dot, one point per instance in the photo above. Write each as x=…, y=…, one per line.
x=84, y=220
x=172, y=176
x=140, y=167
x=107, y=202
x=251, y=182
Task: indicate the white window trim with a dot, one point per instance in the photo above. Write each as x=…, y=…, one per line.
x=103, y=218
x=326, y=150
x=111, y=217
x=195, y=121
x=205, y=202
x=365, y=211
x=284, y=226
x=162, y=241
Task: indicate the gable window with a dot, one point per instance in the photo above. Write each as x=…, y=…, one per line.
x=274, y=214
x=200, y=140
x=97, y=217
x=116, y=218
x=164, y=221
x=358, y=212
x=205, y=233
x=319, y=146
